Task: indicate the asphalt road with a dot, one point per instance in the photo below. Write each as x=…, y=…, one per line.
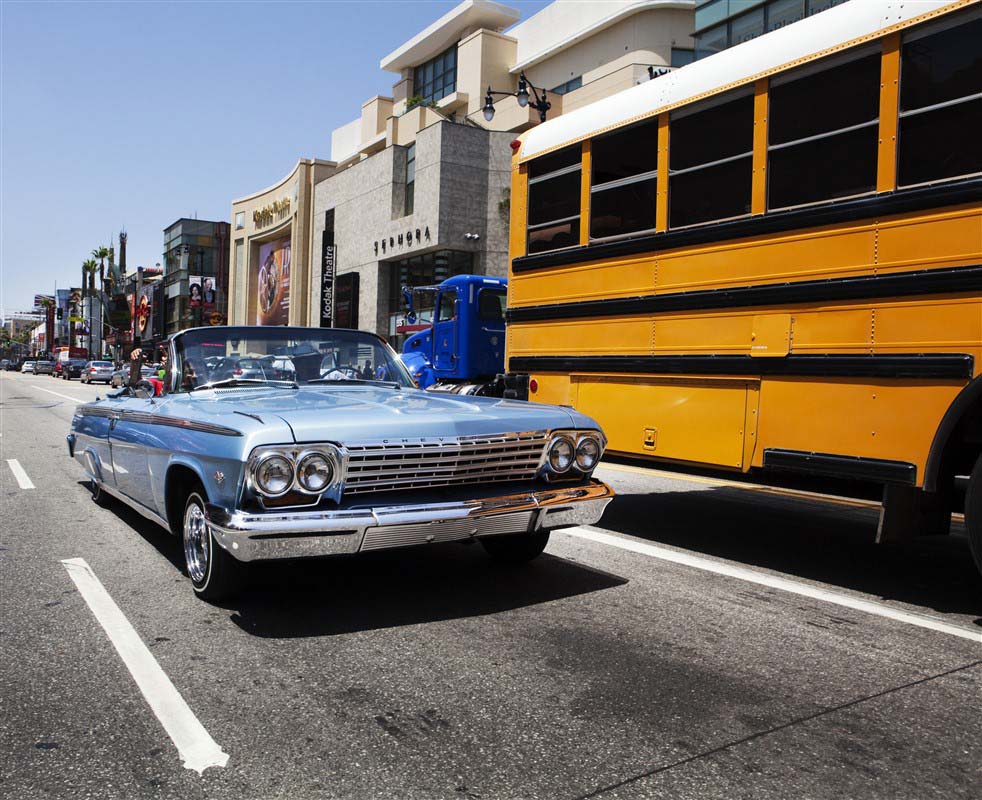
x=707, y=640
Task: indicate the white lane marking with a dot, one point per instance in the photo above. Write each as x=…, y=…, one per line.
x=193, y=742
x=23, y=481
x=774, y=582
x=59, y=394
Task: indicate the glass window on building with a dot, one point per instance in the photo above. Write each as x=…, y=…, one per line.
x=428, y=269
x=437, y=78
x=410, y=179
x=712, y=41
x=682, y=56
x=941, y=101
x=239, y=220
x=784, y=12
x=571, y=85
x=746, y=27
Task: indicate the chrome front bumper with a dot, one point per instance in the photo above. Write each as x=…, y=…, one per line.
x=298, y=534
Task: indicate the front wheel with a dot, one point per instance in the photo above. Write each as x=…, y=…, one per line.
x=214, y=574
x=973, y=513
x=516, y=548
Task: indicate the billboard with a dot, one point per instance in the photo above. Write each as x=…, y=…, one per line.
x=194, y=291
x=273, y=283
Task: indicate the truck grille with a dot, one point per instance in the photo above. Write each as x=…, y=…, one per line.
x=394, y=464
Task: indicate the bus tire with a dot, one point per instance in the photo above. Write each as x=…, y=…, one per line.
x=973, y=513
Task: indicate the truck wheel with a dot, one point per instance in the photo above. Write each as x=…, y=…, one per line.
x=516, y=548
x=973, y=513
x=214, y=574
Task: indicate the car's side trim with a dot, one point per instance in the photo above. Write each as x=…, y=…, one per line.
x=124, y=415
x=151, y=515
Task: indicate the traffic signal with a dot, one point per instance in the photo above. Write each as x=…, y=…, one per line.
x=60, y=312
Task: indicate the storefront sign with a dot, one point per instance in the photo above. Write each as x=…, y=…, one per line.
x=402, y=240
x=328, y=262
x=268, y=213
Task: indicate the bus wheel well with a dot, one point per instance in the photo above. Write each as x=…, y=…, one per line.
x=958, y=441
x=180, y=480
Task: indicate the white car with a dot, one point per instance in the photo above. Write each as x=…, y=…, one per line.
x=28, y=366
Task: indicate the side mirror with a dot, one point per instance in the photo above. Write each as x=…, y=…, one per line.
x=411, y=317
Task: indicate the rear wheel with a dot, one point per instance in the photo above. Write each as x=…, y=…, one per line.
x=214, y=574
x=516, y=548
x=973, y=513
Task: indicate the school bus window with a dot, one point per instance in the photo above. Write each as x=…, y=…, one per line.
x=711, y=162
x=624, y=181
x=554, y=200
x=941, y=102
x=823, y=128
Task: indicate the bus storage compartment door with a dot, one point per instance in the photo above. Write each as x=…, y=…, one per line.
x=771, y=335
x=702, y=420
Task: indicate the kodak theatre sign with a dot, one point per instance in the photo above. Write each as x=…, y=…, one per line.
x=268, y=213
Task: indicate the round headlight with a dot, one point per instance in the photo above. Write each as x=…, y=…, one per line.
x=587, y=454
x=561, y=455
x=274, y=475
x=315, y=472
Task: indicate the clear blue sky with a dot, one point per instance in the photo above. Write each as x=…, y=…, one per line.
x=133, y=114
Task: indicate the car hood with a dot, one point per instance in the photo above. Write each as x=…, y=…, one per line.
x=371, y=412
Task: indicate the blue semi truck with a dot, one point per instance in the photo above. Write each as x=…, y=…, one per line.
x=462, y=348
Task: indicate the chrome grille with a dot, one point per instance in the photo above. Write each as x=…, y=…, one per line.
x=394, y=464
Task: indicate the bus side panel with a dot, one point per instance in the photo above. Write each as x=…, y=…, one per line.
x=699, y=420
x=869, y=418
x=930, y=241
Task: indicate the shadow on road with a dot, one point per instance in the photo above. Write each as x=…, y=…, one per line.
x=811, y=539
x=401, y=587
x=324, y=597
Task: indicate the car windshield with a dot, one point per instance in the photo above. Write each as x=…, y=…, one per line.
x=285, y=356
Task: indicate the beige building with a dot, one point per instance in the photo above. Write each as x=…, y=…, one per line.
x=417, y=188
x=269, y=275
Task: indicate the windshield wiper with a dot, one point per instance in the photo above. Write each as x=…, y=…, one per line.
x=246, y=382
x=390, y=384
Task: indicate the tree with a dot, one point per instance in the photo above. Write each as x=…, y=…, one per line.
x=101, y=253
x=89, y=269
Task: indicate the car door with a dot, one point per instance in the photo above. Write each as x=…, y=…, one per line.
x=132, y=435
x=445, y=332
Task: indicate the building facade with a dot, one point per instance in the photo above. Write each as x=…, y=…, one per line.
x=193, y=285
x=417, y=188
x=724, y=23
x=271, y=249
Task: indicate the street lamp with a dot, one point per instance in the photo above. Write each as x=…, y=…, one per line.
x=540, y=104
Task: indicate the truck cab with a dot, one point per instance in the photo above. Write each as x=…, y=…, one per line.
x=463, y=347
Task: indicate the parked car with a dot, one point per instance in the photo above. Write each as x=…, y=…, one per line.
x=121, y=376
x=73, y=368
x=44, y=368
x=97, y=372
x=4, y=363
x=27, y=366
x=251, y=469
x=13, y=365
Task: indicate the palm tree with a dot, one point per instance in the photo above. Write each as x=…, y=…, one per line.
x=101, y=253
x=89, y=268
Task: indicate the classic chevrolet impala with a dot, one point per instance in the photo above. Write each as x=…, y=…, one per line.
x=274, y=442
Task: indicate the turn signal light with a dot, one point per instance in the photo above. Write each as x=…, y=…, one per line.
x=533, y=385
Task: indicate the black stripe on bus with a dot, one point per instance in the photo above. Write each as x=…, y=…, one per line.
x=890, y=365
x=903, y=284
x=898, y=202
x=879, y=470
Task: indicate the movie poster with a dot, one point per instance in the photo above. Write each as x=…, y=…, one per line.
x=194, y=291
x=273, y=283
x=208, y=292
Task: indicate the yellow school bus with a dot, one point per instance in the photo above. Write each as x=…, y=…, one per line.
x=771, y=259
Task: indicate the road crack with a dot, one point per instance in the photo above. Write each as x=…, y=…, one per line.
x=760, y=734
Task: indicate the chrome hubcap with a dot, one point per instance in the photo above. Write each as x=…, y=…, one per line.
x=196, y=542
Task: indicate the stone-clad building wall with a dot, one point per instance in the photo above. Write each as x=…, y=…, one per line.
x=461, y=187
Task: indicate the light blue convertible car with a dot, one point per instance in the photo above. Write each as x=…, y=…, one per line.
x=275, y=442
